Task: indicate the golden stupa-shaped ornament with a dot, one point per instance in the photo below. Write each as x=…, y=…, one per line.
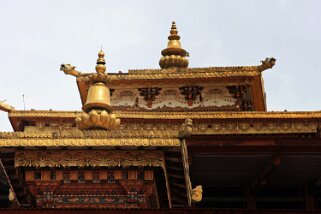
x=97, y=112
x=174, y=55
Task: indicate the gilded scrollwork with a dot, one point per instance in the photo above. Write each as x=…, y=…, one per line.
x=82, y=158
x=134, y=130
x=255, y=127
x=144, y=142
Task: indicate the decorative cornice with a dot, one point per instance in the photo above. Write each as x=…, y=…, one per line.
x=81, y=158
x=177, y=115
x=256, y=127
x=221, y=115
x=89, y=142
x=44, y=113
x=184, y=73
x=189, y=74
x=158, y=133
x=218, y=70
x=135, y=130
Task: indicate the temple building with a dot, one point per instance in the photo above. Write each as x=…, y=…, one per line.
x=153, y=140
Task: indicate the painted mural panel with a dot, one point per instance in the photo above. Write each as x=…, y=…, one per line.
x=173, y=99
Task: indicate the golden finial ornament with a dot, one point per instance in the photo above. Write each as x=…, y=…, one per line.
x=101, y=67
x=97, y=110
x=174, y=55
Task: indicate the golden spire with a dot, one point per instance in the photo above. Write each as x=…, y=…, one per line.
x=174, y=55
x=101, y=67
x=97, y=110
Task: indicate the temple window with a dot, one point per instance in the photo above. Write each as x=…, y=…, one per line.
x=111, y=178
x=96, y=178
x=52, y=175
x=37, y=175
x=66, y=177
x=81, y=177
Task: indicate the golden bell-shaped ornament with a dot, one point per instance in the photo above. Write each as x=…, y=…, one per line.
x=98, y=97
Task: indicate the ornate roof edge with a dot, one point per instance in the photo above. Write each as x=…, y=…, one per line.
x=90, y=142
x=185, y=75
x=44, y=113
x=191, y=73
x=176, y=115
x=191, y=70
x=265, y=64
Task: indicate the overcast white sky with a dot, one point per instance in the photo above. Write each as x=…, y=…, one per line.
x=36, y=36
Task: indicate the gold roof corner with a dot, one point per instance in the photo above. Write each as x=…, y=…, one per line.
x=5, y=107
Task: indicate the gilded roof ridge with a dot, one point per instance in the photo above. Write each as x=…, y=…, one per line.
x=193, y=70
x=265, y=64
x=171, y=70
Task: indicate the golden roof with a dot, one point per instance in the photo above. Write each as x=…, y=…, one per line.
x=141, y=128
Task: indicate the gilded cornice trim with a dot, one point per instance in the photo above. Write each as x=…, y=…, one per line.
x=179, y=73
x=178, y=115
x=222, y=115
x=201, y=73
x=234, y=69
x=255, y=127
x=81, y=158
x=141, y=130
x=44, y=113
x=89, y=142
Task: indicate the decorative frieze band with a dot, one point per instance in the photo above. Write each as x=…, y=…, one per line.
x=89, y=158
x=255, y=127
x=90, y=142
